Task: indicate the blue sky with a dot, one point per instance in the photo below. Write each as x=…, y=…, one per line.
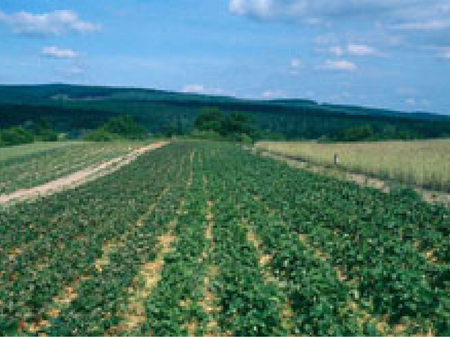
x=382, y=53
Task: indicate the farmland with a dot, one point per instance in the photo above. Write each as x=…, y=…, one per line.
x=203, y=238
x=421, y=163
x=27, y=166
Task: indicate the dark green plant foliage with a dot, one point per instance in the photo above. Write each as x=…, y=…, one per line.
x=377, y=241
x=121, y=127
x=73, y=109
x=237, y=127
x=15, y=136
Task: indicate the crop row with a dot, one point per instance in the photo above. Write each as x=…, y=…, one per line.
x=52, y=243
x=318, y=300
x=203, y=238
x=38, y=168
x=378, y=241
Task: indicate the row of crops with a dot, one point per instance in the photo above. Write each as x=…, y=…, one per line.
x=200, y=238
x=36, y=168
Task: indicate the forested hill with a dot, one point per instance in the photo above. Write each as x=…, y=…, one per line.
x=74, y=108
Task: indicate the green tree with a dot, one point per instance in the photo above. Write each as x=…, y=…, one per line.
x=44, y=131
x=125, y=127
x=357, y=133
x=121, y=127
x=15, y=135
x=210, y=119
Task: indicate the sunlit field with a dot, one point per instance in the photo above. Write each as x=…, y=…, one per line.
x=10, y=152
x=423, y=163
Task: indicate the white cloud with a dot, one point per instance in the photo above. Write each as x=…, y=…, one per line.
x=424, y=26
x=336, y=50
x=296, y=63
x=74, y=71
x=200, y=89
x=343, y=65
x=352, y=49
x=445, y=55
x=407, y=91
x=400, y=14
x=272, y=94
x=410, y=101
x=442, y=53
x=263, y=9
x=194, y=88
x=58, y=53
x=362, y=50
x=47, y=24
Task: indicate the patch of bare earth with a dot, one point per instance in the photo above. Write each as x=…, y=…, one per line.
x=286, y=314
x=78, y=178
x=147, y=278
x=432, y=197
x=209, y=301
x=68, y=294
x=362, y=316
x=149, y=275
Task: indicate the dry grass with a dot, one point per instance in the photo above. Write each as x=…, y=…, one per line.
x=423, y=163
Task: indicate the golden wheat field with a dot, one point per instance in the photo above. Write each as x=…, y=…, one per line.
x=424, y=163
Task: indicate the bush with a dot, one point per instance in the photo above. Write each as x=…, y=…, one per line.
x=100, y=135
x=122, y=127
x=212, y=123
x=125, y=127
x=209, y=134
x=43, y=131
x=15, y=135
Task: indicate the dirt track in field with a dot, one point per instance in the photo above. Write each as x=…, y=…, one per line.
x=432, y=197
x=78, y=178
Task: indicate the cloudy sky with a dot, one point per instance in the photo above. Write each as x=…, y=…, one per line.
x=383, y=53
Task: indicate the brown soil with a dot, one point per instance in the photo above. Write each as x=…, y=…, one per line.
x=209, y=300
x=78, y=178
x=433, y=197
x=147, y=279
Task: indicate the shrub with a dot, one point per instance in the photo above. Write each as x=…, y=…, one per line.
x=14, y=136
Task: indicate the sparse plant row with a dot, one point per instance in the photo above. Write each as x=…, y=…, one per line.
x=374, y=249
x=134, y=251
x=120, y=199
x=426, y=227
x=99, y=242
x=173, y=305
x=248, y=305
x=390, y=276
x=101, y=299
x=57, y=218
x=319, y=300
x=38, y=168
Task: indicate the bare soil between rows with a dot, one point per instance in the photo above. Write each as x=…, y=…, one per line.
x=78, y=178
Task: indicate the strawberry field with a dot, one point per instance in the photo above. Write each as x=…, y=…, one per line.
x=36, y=168
x=199, y=238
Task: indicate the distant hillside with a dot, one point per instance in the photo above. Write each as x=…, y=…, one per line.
x=73, y=108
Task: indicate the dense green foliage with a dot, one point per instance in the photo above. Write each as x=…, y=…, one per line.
x=39, y=131
x=76, y=108
x=15, y=135
x=36, y=168
x=285, y=252
x=121, y=127
x=236, y=126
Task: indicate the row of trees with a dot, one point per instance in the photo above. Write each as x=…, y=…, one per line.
x=31, y=132
x=367, y=132
x=212, y=123
x=117, y=128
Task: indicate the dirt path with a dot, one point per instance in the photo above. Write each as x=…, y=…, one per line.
x=433, y=197
x=78, y=178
